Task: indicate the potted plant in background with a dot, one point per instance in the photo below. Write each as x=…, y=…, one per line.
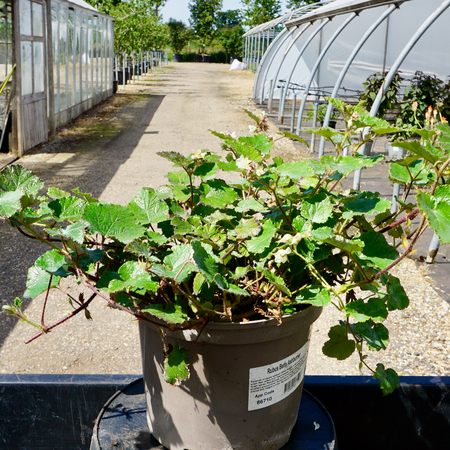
x=178, y=37
x=321, y=112
x=201, y=259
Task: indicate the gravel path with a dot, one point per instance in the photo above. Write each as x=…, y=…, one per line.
x=172, y=110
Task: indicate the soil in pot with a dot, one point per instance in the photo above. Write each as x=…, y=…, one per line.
x=245, y=385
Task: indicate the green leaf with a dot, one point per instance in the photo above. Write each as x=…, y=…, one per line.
x=375, y=334
x=176, y=365
x=350, y=246
x=249, y=205
x=10, y=202
x=114, y=221
x=85, y=196
x=342, y=164
x=180, y=263
x=53, y=262
x=295, y=170
x=170, y=313
x=223, y=284
x=178, y=177
x=416, y=148
x=366, y=203
x=389, y=380
x=377, y=250
x=38, y=281
x=141, y=248
x=338, y=346
x=15, y=177
x=217, y=194
x=75, y=231
x=397, y=297
x=277, y=281
x=259, y=243
x=148, y=207
x=133, y=277
x=374, y=309
x=67, y=208
x=204, y=261
x=176, y=158
x=57, y=193
x=259, y=141
x=314, y=295
x=294, y=137
x=317, y=209
x=438, y=214
x=247, y=228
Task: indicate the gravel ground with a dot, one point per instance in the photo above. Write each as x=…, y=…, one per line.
x=111, y=152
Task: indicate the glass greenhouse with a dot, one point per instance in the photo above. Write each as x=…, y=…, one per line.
x=56, y=61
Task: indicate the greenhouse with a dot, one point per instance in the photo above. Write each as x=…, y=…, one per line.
x=56, y=61
x=332, y=50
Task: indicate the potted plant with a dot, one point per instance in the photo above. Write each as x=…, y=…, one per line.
x=389, y=101
x=178, y=37
x=213, y=268
x=321, y=112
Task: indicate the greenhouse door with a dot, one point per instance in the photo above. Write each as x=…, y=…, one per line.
x=33, y=123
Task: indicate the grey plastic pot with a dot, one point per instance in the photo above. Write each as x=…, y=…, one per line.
x=245, y=385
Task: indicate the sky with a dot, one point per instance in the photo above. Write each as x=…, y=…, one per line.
x=178, y=9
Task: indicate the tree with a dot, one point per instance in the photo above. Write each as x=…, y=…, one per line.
x=138, y=26
x=257, y=12
x=231, y=40
x=294, y=4
x=203, y=18
x=178, y=35
x=231, y=18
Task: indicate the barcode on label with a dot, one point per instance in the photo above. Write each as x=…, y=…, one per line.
x=292, y=383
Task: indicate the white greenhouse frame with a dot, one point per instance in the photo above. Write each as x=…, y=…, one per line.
x=333, y=49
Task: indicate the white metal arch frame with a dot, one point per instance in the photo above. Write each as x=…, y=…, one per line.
x=301, y=52
x=316, y=66
x=347, y=65
x=401, y=57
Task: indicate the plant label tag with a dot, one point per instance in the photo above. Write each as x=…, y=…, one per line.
x=272, y=383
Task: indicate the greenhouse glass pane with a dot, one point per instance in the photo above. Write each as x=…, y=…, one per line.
x=77, y=56
x=55, y=46
x=38, y=53
x=71, y=57
x=27, y=68
x=38, y=26
x=95, y=56
x=90, y=56
x=63, y=62
x=25, y=17
x=84, y=64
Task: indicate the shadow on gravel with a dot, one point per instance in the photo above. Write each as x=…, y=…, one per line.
x=91, y=169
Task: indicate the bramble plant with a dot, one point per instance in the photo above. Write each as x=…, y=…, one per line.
x=279, y=237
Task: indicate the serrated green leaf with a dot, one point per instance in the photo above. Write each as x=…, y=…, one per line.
x=314, y=295
x=114, y=221
x=294, y=137
x=170, y=313
x=180, y=262
x=398, y=299
x=247, y=228
x=53, y=262
x=217, y=194
x=338, y=346
x=295, y=170
x=375, y=334
x=348, y=245
x=389, y=380
x=417, y=148
x=133, y=277
x=317, y=209
x=259, y=141
x=249, y=205
x=204, y=261
x=67, y=208
x=366, y=203
x=223, y=284
x=176, y=365
x=277, y=281
x=56, y=193
x=342, y=164
x=374, y=309
x=16, y=177
x=259, y=243
x=85, y=196
x=38, y=281
x=176, y=158
x=377, y=250
x=438, y=214
x=10, y=203
x=148, y=207
x=178, y=177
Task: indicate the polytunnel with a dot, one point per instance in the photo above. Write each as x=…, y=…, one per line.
x=330, y=51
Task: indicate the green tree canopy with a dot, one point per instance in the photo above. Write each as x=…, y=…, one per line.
x=138, y=25
x=230, y=18
x=178, y=35
x=231, y=40
x=294, y=4
x=203, y=18
x=257, y=12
